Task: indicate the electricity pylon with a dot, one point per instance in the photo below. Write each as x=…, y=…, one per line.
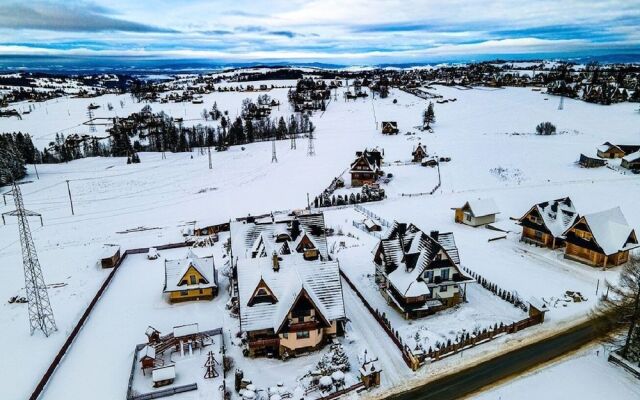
x=40, y=311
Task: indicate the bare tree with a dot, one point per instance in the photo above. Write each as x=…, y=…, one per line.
x=620, y=309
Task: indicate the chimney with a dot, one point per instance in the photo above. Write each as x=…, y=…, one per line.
x=276, y=262
x=434, y=235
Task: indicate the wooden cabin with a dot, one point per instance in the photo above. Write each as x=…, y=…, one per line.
x=417, y=273
x=365, y=170
x=163, y=376
x=419, y=153
x=390, y=128
x=287, y=305
x=477, y=212
x=147, y=357
x=110, y=256
x=591, y=162
x=609, y=150
x=545, y=223
x=190, y=278
x=601, y=239
x=631, y=161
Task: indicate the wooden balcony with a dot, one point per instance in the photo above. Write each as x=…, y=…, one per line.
x=258, y=343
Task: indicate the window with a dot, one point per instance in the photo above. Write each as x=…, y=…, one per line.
x=285, y=335
x=192, y=279
x=468, y=217
x=302, y=335
x=444, y=274
x=184, y=292
x=428, y=276
x=443, y=288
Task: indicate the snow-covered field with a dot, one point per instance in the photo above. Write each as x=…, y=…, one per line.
x=163, y=196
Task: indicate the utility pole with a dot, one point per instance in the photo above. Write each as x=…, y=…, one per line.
x=308, y=203
x=36, y=168
x=274, y=157
x=70, y=199
x=40, y=311
x=561, y=105
x=311, y=151
x=293, y=141
x=209, y=151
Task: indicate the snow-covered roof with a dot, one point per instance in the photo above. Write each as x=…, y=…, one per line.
x=147, y=351
x=163, y=373
x=610, y=230
x=483, y=207
x=247, y=238
x=558, y=215
x=632, y=157
x=408, y=252
x=320, y=280
x=109, y=251
x=185, y=330
x=174, y=270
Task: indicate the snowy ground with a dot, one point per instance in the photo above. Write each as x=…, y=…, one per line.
x=585, y=375
x=164, y=196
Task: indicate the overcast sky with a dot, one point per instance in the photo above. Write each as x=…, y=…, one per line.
x=352, y=31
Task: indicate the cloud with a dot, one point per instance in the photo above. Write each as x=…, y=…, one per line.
x=81, y=17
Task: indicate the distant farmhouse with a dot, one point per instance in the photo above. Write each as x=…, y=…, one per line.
x=545, y=223
x=600, y=239
x=289, y=292
x=390, y=128
x=190, y=278
x=477, y=212
x=419, y=153
x=418, y=273
x=366, y=169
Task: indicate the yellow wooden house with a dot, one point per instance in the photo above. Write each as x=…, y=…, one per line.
x=190, y=278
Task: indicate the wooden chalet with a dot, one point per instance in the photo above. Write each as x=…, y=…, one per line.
x=591, y=162
x=609, y=150
x=419, y=153
x=390, y=128
x=600, y=239
x=418, y=273
x=545, y=223
x=631, y=161
x=477, y=212
x=190, y=278
x=366, y=167
x=288, y=305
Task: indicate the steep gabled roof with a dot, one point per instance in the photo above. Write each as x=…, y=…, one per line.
x=319, y=279
x=610, y=230
x=175, y=270
x=557, y=215
x=482, y=207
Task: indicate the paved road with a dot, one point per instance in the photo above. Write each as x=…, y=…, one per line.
x=471, y=379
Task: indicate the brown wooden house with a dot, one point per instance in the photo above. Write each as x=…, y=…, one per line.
x=600, y=239
x=591, y=162
x=419, y=153
x=610, y=150
x=390, y=128
x=631, y=161
x=366, y=167
x=545, y=223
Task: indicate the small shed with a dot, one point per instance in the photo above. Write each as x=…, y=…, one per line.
x=419, y=153
x=147, y=357
x=477, y=212
x=631, y=161
x=537, y=308
x=163, y=376
x=370, y=374
x=591, y=162
x=371, y=225
x=110, y=256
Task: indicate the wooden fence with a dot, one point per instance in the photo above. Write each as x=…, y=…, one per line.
x=85, y=315
x=339, y=393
